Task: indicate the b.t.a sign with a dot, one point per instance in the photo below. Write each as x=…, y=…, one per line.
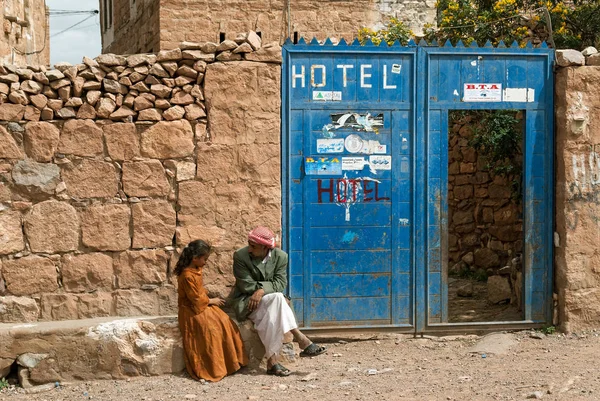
x=482, y=93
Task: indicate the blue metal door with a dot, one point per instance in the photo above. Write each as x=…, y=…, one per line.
x=363, y=170
x=350, y=115
x=467, y=78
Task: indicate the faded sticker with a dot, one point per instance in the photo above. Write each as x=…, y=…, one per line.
x=396, y=68
x=353, y=143
x=404, y=222
x=482, y=93
x=335, y=96
x=322, y=166
x=355, y=121
x=404, y=165
x=330, y=145
x=519, y=94
x=374, y=147
x=353, y=163
x=381, y=162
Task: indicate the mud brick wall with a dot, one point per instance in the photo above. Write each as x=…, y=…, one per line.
x=109, y=167
x=174, y=21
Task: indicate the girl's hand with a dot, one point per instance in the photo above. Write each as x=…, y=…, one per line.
x=216, y=301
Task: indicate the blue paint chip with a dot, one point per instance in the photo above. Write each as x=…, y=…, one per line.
x=349, y=237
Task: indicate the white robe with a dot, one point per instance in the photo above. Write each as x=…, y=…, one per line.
x=272, y=319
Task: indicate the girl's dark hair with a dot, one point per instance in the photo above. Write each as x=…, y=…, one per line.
x=194, y=249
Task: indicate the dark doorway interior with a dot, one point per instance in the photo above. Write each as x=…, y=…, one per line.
x=485, y=216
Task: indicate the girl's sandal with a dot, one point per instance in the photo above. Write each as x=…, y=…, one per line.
x=279, y=370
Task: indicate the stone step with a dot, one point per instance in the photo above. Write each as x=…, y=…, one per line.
x=104, y=348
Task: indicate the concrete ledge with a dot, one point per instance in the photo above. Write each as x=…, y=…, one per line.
x=104, y=348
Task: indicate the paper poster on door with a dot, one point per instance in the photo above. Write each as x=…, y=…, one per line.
x=380, y=162
x=322, y=166
x=482, y=93
x=353, y=163
x=333, y=145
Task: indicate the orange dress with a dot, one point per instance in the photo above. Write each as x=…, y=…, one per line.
x=212, y=342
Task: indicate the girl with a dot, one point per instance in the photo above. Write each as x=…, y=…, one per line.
x=211, y=340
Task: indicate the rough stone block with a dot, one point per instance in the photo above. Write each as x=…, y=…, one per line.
x=106, y=227
x=267, y=172
x=11, y=233
x=145, y=178
x=136, y=268
x=183, y=170
x=486, y=258
x=11, y=112
x=191, y=228
x=135, y=303
x=52, y=227
x=153, y=224
x=191, y=202
x=41, y=141
x=498, y=288
x=81, y=138
x=565, y=58
x=9, y=149
x=243, y=91
x=30, y=275
x=168, y=139
x=36, y=180
x=91, y=179
x=94, y=305
x=18, y=310
x=87, y=272
x=122, y=141
x=59, y=306
x=167, y=300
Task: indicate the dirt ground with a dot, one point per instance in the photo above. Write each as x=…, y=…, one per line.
x=509, y=366
x=476, y=308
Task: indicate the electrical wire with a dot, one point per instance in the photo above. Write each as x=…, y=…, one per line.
x=72, y=26
x=60, y=13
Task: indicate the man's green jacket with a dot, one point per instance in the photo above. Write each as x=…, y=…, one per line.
x=251, y=274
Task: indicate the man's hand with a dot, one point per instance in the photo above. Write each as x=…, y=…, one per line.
x=255, y=299
x=216, y=301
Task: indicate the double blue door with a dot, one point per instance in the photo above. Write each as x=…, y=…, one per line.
x=363, y=172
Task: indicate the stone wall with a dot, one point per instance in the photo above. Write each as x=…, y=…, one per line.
x=577, y=251
x=109, y=167
x=485, y=221
x=201, y=20
x=25, y=37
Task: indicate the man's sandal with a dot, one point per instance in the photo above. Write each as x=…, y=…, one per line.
x=313, y=350
x=279, y=370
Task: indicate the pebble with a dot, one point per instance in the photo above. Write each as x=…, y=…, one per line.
x=538, y=336
x=190, y=396
x=337, y=355
x=309, y=377
x=536, y=395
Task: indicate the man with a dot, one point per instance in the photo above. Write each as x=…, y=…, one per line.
x=260, y=272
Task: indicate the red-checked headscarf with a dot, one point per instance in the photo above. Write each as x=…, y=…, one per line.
x=262, y=236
